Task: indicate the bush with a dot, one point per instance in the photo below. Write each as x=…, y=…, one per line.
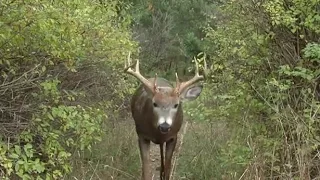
x=264, y=83
x=57, y=63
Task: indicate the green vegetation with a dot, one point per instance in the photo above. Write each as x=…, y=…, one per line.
x=64, y=98
x=57, y=82
x=265, y=88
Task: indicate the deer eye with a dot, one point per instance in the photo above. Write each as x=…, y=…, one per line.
x=155, y=104
x=176, y=105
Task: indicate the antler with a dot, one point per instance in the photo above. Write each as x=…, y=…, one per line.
x=128, y=69
x=180, y=87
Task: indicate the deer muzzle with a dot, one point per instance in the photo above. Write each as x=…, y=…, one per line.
x=164, y=128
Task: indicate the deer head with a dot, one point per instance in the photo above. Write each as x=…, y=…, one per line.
x=166, y=101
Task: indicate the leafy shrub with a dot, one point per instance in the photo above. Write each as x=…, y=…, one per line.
x=264, y=87
x=56, y=59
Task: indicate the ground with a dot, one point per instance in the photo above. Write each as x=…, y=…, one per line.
x=117, y=156
x=155, y=154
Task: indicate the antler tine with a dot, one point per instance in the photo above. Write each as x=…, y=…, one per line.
x=176, y=89
x=196, y=78
x=155, y=87
x=205, y=69
x=155, y=80
x=137, y=67
x=136, y=73
x=177, y=79
x=197, y=66
x=127, y=63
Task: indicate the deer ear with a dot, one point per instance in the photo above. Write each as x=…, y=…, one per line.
x=191, y=93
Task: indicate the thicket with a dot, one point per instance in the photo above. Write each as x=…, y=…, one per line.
x=264, y=85
x=60, y=81
x=170, y=33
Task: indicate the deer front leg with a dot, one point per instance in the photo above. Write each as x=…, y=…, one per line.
x=170, y=146
x=144, y=146
x=162, y=162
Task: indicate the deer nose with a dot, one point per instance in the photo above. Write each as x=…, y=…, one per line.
x=164, y=127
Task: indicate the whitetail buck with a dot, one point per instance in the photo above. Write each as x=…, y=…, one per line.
x=156, y=108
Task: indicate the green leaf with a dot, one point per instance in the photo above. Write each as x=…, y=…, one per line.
x=14, y=155
x=17, y=149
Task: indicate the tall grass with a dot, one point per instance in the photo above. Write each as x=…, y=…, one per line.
x=199, y=156
x=115, y=157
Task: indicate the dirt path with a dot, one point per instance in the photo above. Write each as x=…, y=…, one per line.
x=155, y=154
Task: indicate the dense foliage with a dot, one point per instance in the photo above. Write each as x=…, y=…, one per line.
x=170, y=33
x=56, y=81
x=265, y=86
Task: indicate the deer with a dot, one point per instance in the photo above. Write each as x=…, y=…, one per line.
x=156, y=108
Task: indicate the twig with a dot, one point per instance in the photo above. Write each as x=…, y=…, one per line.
x=243, y=174
x=20, y=77
x=94, y=170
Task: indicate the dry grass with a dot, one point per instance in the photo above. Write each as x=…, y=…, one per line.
x=197, y=158
x=115, y=157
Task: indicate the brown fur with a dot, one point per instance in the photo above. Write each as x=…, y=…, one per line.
x=146, y=126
